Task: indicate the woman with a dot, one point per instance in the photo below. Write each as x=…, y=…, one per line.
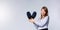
x=42, y=22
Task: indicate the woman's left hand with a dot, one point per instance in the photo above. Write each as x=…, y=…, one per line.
x=31, y=20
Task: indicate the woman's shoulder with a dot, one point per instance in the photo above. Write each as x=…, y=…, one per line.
x=43, y=18
x=47, y=16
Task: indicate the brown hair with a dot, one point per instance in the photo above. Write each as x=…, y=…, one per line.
x=46, y=10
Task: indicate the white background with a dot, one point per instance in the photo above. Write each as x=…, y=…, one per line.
x=13, y=13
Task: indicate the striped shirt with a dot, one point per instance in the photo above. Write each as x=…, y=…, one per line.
x=42, y=23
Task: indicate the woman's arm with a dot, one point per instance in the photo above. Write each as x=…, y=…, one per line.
x=43, y=22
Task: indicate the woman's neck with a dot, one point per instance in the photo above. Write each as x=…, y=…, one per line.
x=42, y=17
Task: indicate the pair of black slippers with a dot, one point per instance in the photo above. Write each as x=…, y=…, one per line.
x=31, y=16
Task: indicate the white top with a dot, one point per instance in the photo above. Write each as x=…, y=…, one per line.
x=42, y=23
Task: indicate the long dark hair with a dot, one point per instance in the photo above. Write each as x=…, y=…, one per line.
x=46, y=10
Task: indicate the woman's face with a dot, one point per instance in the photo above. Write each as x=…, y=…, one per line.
x=43, y=12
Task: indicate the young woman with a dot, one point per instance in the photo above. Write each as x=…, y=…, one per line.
x=42, y=22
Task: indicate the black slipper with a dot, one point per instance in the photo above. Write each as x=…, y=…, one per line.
x=34, y=14
x=29, y=15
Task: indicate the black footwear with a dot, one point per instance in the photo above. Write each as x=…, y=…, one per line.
x=29, y=15
x=34, y=14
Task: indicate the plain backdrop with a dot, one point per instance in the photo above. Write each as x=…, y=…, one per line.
x=13, y=14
